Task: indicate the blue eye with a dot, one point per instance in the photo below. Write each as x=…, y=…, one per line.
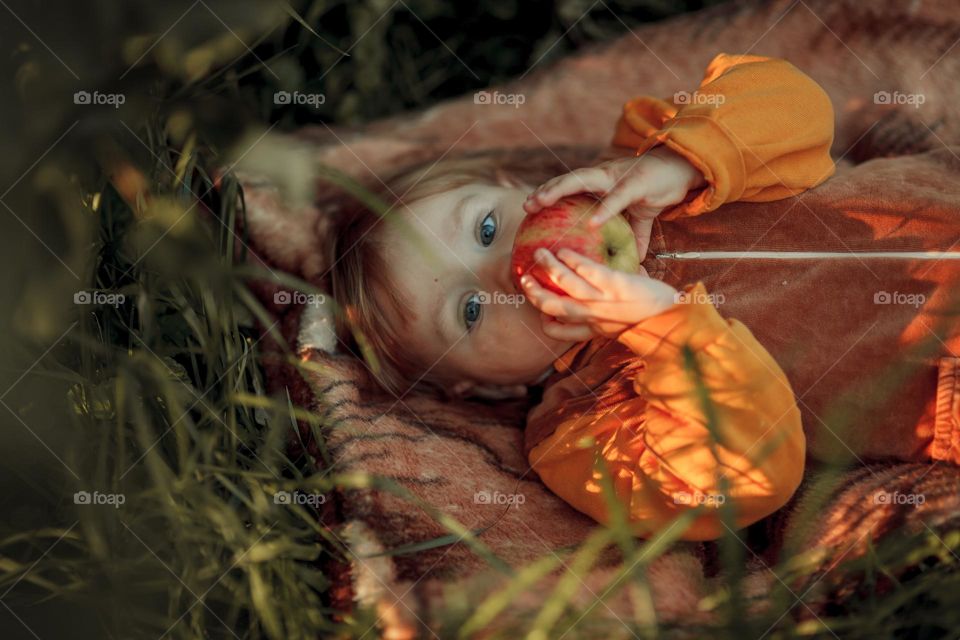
x=488, y=229
x=471, y=310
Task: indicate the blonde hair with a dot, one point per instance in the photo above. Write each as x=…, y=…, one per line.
x=360, y=278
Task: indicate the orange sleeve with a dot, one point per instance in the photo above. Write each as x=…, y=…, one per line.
x=669, y=458
x=758, y=129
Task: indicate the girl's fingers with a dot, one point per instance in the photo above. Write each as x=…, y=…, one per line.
x=574, y=332
x=548, y=302
x=595, y=274
x=587, y=180
x=614, y=203
x=563, y=277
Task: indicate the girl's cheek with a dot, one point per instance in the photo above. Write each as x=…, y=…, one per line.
x=501, y=332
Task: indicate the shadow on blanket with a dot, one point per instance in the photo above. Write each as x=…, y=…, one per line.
x=460, y=457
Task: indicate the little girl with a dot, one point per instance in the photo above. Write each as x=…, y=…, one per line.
x=623, y=360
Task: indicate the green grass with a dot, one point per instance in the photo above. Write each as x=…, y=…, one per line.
x=161, y=399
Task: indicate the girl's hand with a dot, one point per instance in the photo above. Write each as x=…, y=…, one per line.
x=643, y=186
x=600, y=300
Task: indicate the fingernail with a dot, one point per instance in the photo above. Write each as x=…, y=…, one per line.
x=525, y=281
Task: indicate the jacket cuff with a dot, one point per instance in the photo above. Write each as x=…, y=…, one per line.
x=703, y=142
x=693, y=320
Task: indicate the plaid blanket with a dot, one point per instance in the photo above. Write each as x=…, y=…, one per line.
x=463, y=460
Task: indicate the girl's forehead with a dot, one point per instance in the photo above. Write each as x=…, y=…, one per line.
x=411, y=216
x=428, y=223
x=422, y=261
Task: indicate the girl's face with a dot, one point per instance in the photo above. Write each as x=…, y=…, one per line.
x=470, y=322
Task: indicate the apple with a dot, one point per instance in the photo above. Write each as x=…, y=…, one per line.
x=564, y=225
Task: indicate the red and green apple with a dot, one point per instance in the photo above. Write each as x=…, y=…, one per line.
x=565, y=225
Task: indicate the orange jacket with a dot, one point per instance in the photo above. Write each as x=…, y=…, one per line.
x=759, y=130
